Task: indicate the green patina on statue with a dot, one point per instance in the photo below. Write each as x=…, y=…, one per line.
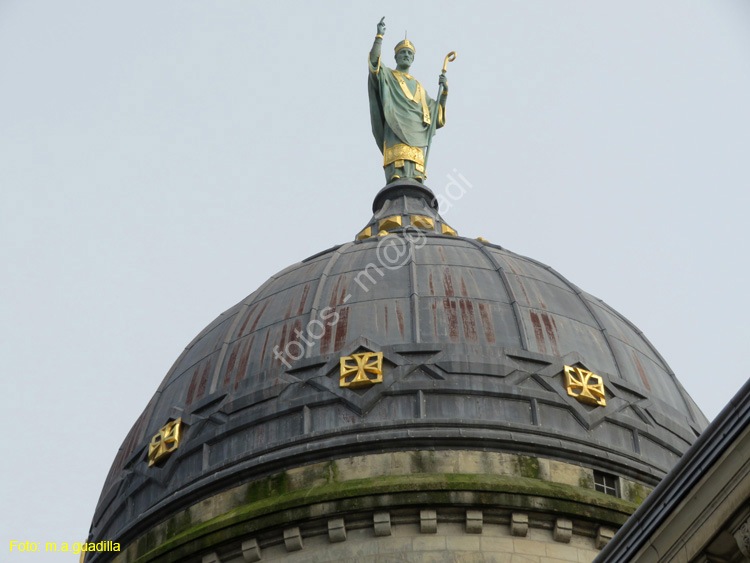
x=403, y=116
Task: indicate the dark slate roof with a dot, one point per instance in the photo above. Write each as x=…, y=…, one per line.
x=474, y=338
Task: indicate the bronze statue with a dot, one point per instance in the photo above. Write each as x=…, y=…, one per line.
x=403, y=116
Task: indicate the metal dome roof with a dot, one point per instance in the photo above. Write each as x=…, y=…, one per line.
x=474, y=338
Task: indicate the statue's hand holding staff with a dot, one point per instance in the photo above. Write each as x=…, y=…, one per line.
x=443, y=82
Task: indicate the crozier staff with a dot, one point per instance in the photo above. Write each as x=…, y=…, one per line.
x=401, y=111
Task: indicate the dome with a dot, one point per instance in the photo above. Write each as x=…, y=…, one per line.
x=474, y=341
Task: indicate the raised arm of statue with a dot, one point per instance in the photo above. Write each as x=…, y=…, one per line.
x=375, y=51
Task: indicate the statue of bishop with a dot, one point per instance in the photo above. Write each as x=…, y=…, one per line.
x=401, y=111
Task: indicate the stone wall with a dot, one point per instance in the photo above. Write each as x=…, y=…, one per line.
x=437, y=499
x=407, y=543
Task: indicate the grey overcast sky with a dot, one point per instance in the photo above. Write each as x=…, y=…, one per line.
x=160, y=160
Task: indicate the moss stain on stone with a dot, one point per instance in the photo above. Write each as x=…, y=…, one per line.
x=635, y=492
x=586, y=481
x=424, y=461
x=332, y=472
x=272, y=486
x=528, y=466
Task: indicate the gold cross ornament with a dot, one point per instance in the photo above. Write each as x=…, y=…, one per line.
x=359, y=366
x=585, y=386
x=165, y=442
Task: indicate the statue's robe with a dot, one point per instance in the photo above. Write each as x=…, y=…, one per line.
x=401, y=113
